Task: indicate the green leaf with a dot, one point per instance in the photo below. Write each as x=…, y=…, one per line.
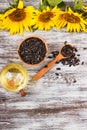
x=41, y=7
x=78, y=4
x=11, y=5
x=54, y=2
x=45, y=3
x=62, y=5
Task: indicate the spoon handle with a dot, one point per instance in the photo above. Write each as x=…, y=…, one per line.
x=47, y=67
x=22, y=92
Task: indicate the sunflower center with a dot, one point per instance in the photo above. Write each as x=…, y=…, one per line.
x=71, y=18
x=17, y=15
x=46, y=16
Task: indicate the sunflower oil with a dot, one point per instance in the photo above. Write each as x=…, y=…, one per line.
x=14, y=77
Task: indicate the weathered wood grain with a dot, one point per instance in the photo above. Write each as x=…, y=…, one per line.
x=53, y=102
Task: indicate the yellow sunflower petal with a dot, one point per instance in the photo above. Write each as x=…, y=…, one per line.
x=78, y=28
x=47, y=9
x=74, y=29
x=70, y=10
x=84, y=8
x=9, y=12
x=1, y=20
x=29, y=8
x=21, y=27
x=1, y=16
x=20, y=4
x=26, y=26
x=6, y=23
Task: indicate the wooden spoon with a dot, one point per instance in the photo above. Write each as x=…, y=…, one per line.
x=59, y=57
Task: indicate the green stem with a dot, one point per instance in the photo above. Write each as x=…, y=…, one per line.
x=41, y=2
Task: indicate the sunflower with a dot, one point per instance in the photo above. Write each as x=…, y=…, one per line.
x=73, y=21
x=45, y=20
x=16, y=19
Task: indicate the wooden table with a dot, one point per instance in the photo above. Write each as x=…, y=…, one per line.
x=53, y=102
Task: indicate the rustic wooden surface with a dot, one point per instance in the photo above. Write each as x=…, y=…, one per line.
x=52, y=103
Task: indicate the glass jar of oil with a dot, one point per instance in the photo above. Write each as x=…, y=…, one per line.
x=14, y=77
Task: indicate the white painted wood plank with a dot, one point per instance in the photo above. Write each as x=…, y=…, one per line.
x=52, y=103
